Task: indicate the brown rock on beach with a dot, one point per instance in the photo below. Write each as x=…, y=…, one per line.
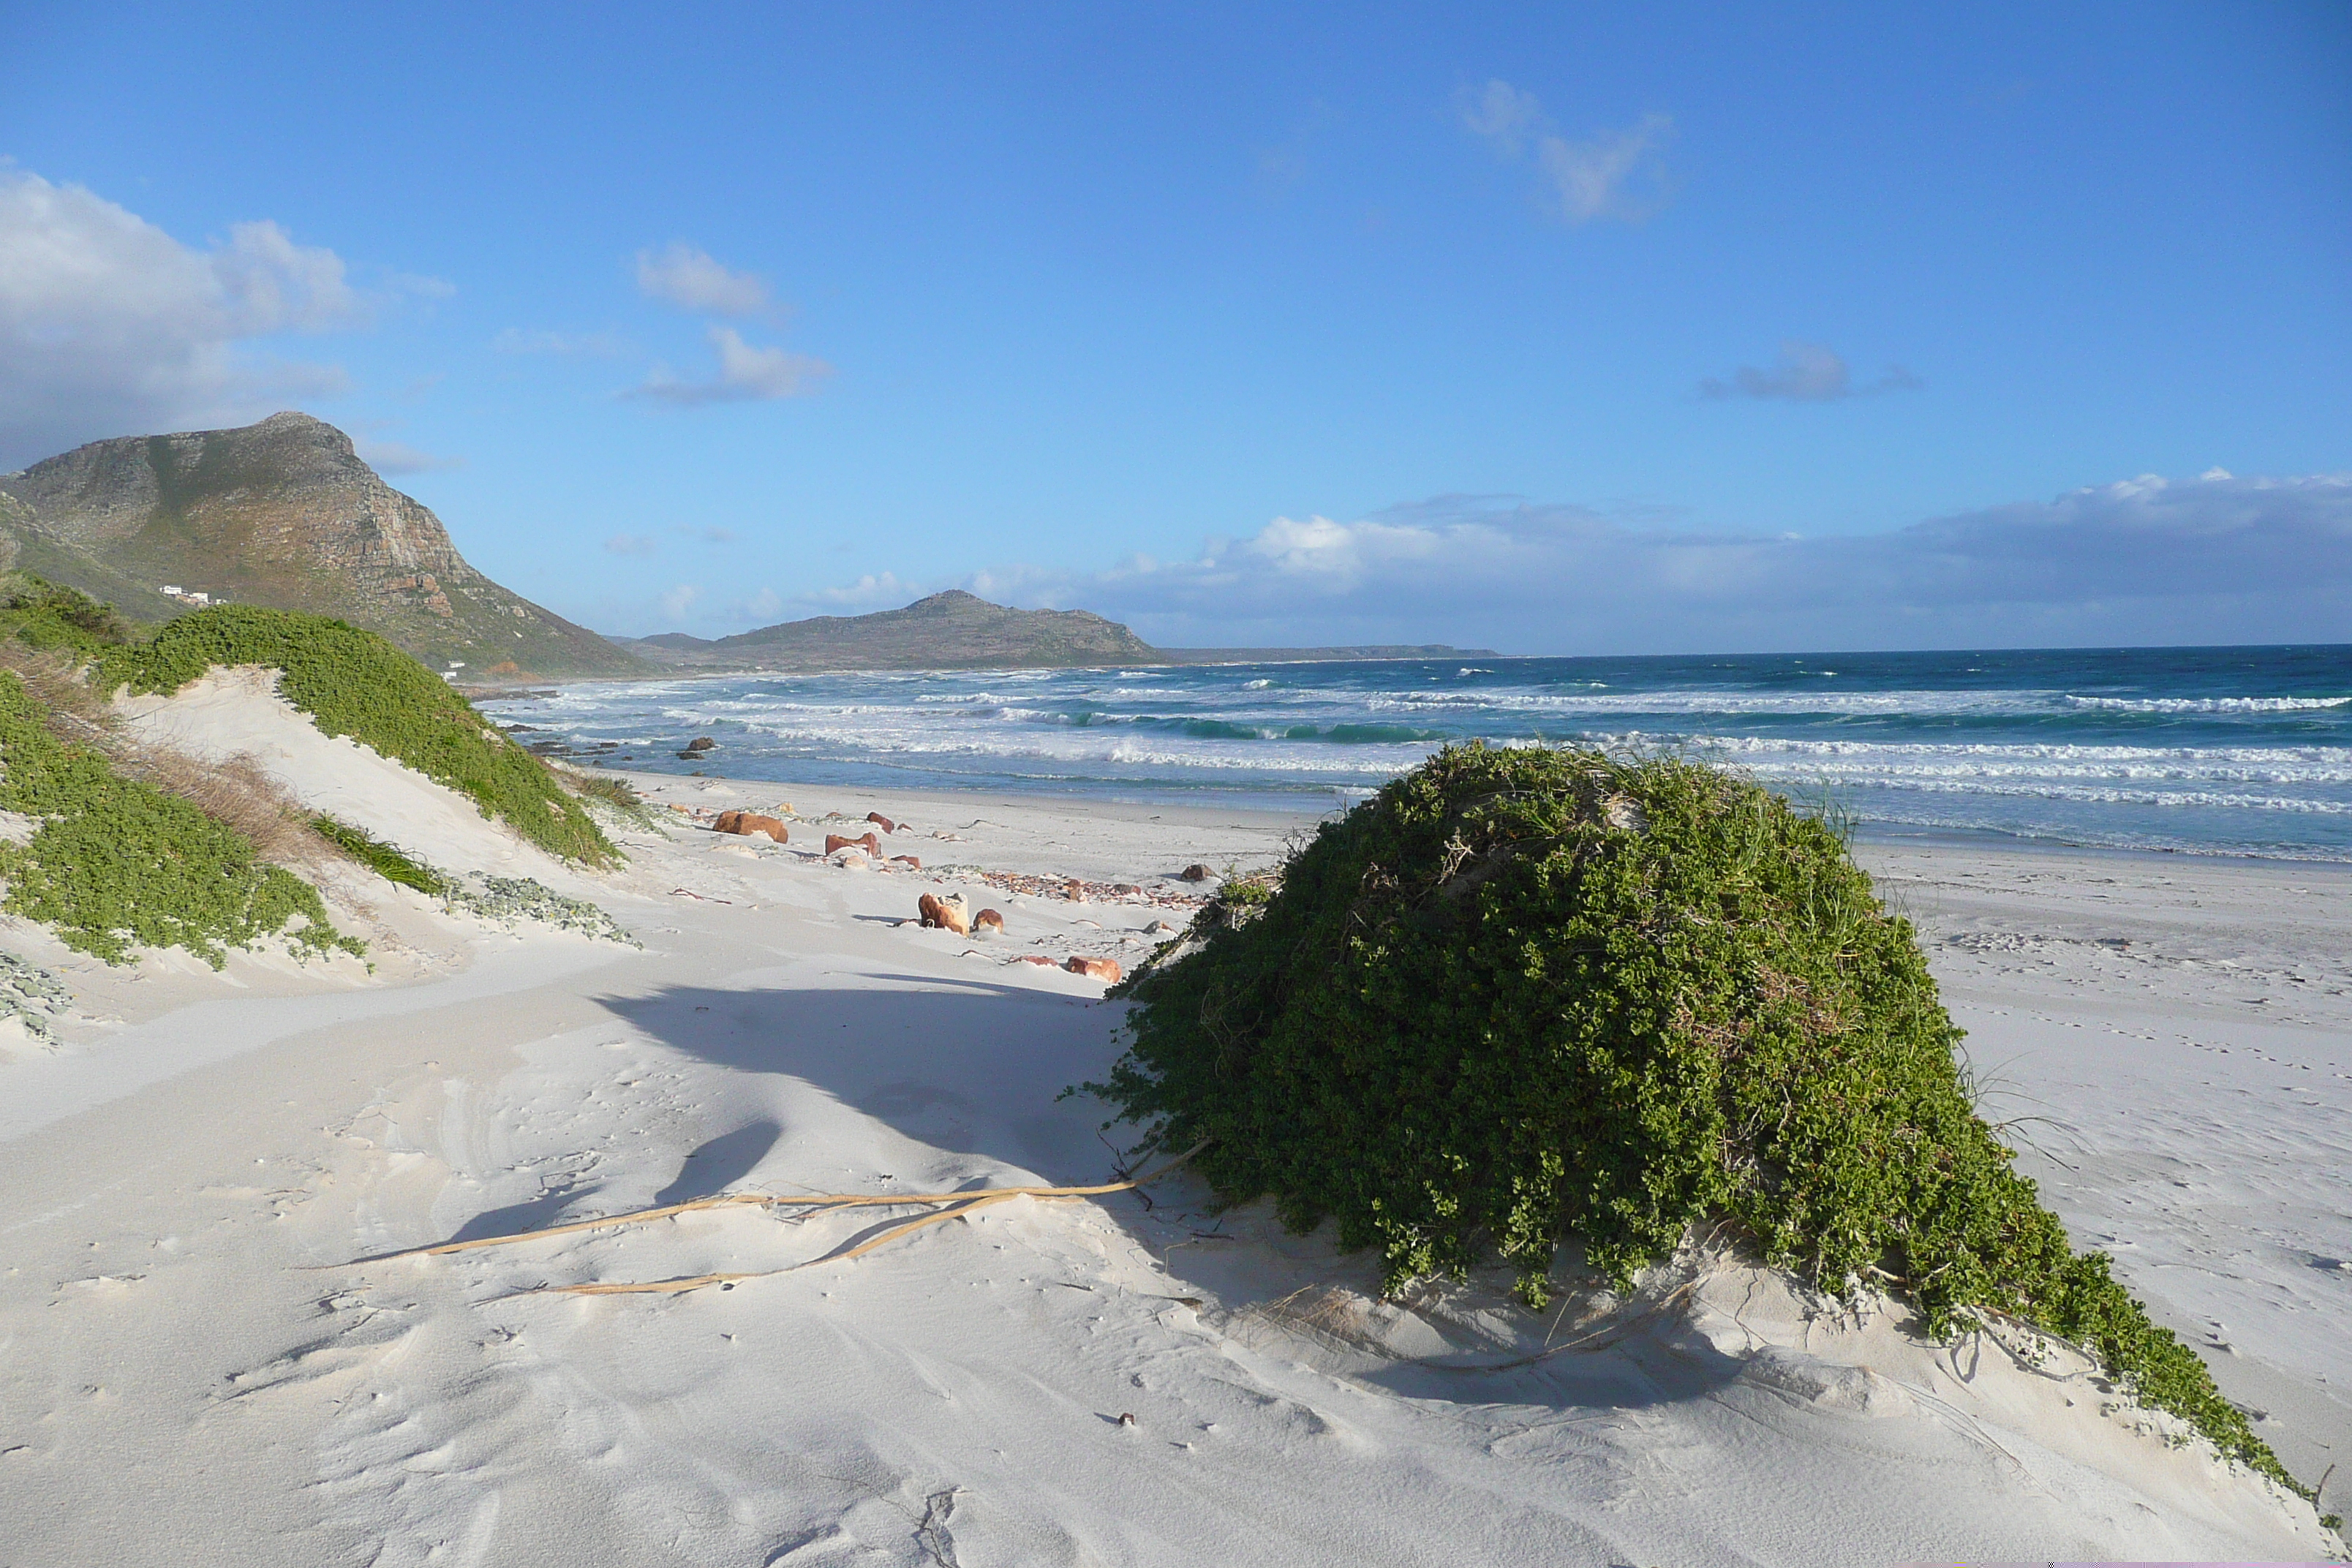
x=834, y=843
x=948, y=914
x=987, y=920
x=1196, y=872
x=750, y=822
x=882, y=822
x=1106, y=970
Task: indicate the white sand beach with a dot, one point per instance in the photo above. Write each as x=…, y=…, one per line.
x=197, y=1365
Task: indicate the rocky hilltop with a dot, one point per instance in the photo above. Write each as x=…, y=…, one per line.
x=956, y=630
x=283, y=513
x=949, y=630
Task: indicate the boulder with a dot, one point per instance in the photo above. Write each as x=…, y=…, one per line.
x=882, y=822
x=1106, y=970
x=987, y=920
x=1196, y=872
x=750, y=822
x=701, y=743
x=908, y=861
x=948, y=913
x=834, y=842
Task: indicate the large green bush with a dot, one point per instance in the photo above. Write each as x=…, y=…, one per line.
x=1529, y=997
x=355, y=683
x=117, y=864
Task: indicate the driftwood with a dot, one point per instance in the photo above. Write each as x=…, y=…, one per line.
x=948, y=1206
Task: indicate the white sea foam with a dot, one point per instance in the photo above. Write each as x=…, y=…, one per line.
x=2209, y=704
x=2057, y=757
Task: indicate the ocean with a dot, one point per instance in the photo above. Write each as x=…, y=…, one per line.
x=2244, y=751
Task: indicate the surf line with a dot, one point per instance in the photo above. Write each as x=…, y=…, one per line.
x=953, y=1206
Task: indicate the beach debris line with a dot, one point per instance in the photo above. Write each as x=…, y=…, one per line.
x=1660, y=998
x=945, y=1206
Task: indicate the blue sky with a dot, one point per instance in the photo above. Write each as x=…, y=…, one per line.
x=1540, y=330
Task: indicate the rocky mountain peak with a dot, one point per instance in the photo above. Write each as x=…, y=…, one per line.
x=285, y=512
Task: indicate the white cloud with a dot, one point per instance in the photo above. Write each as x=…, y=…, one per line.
x=708, y=534
x=1807, y=373
x=399, y=457
x=747, y=374
x=680, y=601
x=1613, y=173
x=109, y=326
x=629, y=544
x=515, y=340
x=2146, y=561
x=685, y=275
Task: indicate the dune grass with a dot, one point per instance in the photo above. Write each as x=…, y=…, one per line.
x=1525, y=998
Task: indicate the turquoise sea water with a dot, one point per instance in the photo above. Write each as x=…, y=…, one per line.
x=2231, y=750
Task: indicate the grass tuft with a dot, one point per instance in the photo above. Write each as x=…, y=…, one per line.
x=388, y=861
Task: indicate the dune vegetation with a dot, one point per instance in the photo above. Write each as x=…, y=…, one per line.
x=116, y=863
x=133, y=848
x=353, y=682
x=1524, y=998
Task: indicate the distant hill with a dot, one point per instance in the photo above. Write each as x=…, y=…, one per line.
x=949, y=630
x=284, y=514
x=956, y=630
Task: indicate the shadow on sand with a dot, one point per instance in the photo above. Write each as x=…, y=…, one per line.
x=974, y=1069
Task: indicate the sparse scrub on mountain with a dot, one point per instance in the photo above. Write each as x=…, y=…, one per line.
x=117, y=863
x=1525, y=997
x=353, y=682
x=44, y=615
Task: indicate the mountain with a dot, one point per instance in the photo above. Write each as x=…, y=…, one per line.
x=282, y=513
x=949, y=630
x=956, y=630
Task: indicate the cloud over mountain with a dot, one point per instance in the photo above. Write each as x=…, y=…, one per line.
x=109, y=325
x=2214, y=559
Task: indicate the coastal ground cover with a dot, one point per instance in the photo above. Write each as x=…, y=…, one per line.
x=115, y=863
x=1527, y=997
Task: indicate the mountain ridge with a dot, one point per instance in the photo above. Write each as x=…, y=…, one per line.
x=956, y=629
x=282, y=513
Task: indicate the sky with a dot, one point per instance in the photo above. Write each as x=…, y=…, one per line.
x=1596, y=329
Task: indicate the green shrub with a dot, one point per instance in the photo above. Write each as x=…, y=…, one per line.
x=353, y=682
x=118, y=864
x=1528, y=997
